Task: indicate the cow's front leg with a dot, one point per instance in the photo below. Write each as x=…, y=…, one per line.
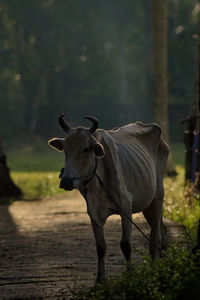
x=101, y=249
x=126, y=237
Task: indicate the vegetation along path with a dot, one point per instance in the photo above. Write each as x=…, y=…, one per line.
x=47, y=247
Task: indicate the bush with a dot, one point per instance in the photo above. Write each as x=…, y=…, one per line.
x=37, y=185
x=182, y=204
x=175, y=276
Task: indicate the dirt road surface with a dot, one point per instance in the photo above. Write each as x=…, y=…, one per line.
x=47, y=247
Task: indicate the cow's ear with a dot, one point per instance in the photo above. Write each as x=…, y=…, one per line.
x=98, y=150
x=57, y=143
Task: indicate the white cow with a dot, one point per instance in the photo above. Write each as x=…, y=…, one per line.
x=131, y=162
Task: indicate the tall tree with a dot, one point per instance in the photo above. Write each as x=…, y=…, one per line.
x=160, y=64
x=160, y=37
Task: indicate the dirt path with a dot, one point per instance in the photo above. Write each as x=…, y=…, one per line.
x=47, y=247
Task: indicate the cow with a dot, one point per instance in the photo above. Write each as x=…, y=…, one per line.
x=130, y=161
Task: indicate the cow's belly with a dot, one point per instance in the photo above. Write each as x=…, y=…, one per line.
x=140, y=201
x=140, y=194
x=138, y=177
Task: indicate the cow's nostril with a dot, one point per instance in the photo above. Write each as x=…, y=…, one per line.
x=66, y=183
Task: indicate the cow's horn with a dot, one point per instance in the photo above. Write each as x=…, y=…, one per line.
x=65, y=126
x=94, y=121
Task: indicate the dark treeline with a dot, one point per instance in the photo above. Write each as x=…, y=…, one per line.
x=90, y=57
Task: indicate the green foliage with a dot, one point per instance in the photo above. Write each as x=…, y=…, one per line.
x=35, y=167
x=181, y=203
x=37, y=185
x=175, y=276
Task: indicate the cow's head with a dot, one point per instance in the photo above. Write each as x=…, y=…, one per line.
x=81, y=151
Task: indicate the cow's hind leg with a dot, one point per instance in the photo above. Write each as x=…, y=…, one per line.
x=153, y=215
x=101, y=249
x=164, y=243
x=126, y=239
x=155, y=235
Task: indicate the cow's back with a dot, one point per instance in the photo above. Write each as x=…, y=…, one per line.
x=146, y=139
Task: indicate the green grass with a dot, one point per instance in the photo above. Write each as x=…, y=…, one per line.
x=181, y=203
x=35, y=167
x=174, y=277
x=37, y=185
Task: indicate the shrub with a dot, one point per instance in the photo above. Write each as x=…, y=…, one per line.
x=181, y=203
x=37, y=185
x=173, y=277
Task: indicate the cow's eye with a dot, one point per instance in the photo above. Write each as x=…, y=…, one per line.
x=86, y=150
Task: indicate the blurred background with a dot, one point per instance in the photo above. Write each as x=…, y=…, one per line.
x=89, y=57
x=119, y=61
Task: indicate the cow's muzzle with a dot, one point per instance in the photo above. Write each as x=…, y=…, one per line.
x=67, y=183
x=70, y=183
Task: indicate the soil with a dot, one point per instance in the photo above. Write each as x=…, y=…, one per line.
x=47, y=247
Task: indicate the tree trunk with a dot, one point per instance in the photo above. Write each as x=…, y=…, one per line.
x=160, y=102
x=7, y=187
